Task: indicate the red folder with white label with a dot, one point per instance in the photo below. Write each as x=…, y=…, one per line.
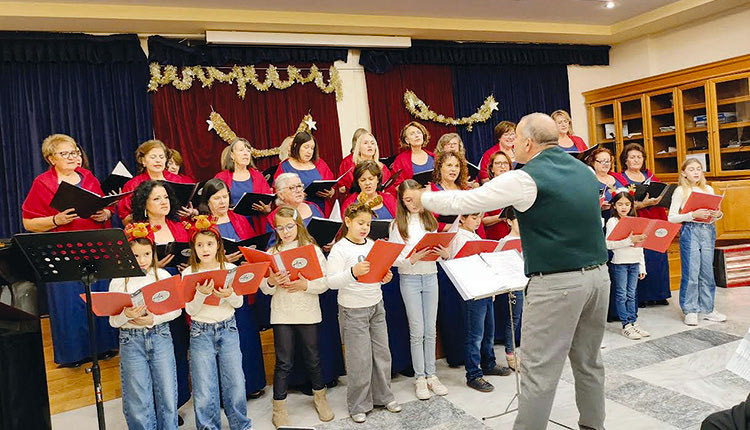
x=659, y=233
x=245, y=279
x=256, y=256
x=474, y=247
x=512, y=244
x=299, y=261
x=190, y=284
x=698, y=200
x=381, y=258
x=162, y=296
x=108, y=303
x=432, y=240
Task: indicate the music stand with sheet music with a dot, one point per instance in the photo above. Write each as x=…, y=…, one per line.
x=81, y=256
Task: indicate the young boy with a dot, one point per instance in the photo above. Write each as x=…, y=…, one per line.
x=479, y=357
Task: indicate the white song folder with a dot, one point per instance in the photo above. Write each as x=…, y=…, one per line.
x=487, y=274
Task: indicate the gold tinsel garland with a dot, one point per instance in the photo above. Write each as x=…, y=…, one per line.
x=419, y=109
x=216, y=122
x=165, y=75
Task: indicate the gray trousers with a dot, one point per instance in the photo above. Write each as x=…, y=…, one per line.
x=564, y=315
x=367, y=357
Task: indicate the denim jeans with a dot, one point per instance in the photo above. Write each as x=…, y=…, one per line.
x=517, y=311
x=480, y=336
x=148, y=378
x=420, y=294
x=212, y=344
x=625, y=280
x=698, y=285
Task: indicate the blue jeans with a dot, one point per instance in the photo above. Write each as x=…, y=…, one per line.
x=697, y=286
x=517, y=311
x=148, y=378
x=420, y=294
x=480, y=336
x=207, y=343
x=625, y=280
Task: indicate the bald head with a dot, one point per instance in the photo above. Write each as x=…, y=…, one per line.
x=533, y=133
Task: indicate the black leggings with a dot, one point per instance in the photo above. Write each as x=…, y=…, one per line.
x=286, y=337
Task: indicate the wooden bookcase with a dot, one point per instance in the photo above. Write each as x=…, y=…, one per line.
x=701, y=112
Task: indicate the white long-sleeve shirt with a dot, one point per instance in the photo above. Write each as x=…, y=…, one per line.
x=301, y=307
x=458, y=242
x=623, y=251
x=130, y=286
x=199, y=311
x=678, y=202
x=352, y=293
x=416, y=233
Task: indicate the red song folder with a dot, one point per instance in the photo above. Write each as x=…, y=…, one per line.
x=245, y=279
x=162, y=296
x=512, y=244
x=381, y=258
x=302, y=260
x=659, y=233
x=256, y=256
x=474, y=247
x=698, y=200
x=108, y=303
x=432, y=240
x=190, y=282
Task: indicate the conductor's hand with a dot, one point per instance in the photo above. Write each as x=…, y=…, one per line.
x=206, y=287
x=361, y=268
x=135, y=311
x=387, y=278
x=65, y=217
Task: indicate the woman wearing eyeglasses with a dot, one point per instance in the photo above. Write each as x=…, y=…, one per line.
x=601, y=161
x=67, y=311
x=290, y=192
x=566, y=139
x=505, y=134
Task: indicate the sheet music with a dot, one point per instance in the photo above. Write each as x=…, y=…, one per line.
x=488, y=274
x=336, y=212
x=739, y=363
x=121, y=170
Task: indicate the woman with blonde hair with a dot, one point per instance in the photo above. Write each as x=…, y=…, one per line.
x=365, y=149
x=566, y=139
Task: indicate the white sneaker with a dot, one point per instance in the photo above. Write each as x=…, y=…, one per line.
x=359, y=418
x=640, y=330
x=420, y=387
x=394, y=407
x=715, y=316
x=630, y=332
x=437, y=387
x=691, y=319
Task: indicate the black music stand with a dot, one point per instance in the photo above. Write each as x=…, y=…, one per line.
x=86, y=256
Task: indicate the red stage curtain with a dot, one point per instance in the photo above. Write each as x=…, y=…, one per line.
x=264, y=118
x=385, y=93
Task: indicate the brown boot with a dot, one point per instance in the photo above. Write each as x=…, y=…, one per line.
x=280, y=417
x=321, y=405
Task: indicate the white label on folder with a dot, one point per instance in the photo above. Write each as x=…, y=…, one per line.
x=186, y=252
x=299, y=263
x=160, y=296
x=247, y=277
x=660, y=232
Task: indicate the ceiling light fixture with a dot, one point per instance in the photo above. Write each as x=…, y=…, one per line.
x=306, y=39
x=609, y=5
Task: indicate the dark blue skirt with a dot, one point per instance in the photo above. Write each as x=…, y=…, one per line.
x=252, y=352
x=451, y=320
x=398, y=326
x=69, y=322
x=180, y=330
x=655, y=286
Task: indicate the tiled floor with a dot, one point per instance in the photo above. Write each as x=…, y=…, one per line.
x=670, y=381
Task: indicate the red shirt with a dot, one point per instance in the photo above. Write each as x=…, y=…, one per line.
x=403, y=162
x=124, y=207
x=259, y=186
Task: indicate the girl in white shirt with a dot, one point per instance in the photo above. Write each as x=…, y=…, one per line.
x=295, y=313
x=213, y=336
x=697, y=241
x=362, y=315
x=419, y=285
x=628, y=266
x=148, y=374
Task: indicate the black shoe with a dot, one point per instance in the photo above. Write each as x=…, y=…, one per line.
x=661, y=302
x=642, y=304
x=498, y=371
x=180, y=421
x=480, y=384
x=333, y=383
x=256, y=394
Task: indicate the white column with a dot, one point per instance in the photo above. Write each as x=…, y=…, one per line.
x=353, y=110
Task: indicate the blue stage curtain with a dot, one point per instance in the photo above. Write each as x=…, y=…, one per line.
x=483, y=54
x=519, y=90
x=92, y=88
x=190, y=53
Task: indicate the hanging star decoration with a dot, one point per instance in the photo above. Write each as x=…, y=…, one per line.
x=419, y=109
x=307, y=124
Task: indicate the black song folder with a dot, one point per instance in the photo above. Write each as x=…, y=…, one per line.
x=85, y=202
x=245, y=205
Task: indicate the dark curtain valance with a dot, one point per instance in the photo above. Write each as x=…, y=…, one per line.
x=191, y=53
x=40, y=47
x=483, y=54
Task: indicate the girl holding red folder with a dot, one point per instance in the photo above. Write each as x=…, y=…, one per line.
x=419, y=285
x=628, y=266
x=295, y=317
x=214, y=340
x=697, y=240
x=362, y=314
x=148, y=373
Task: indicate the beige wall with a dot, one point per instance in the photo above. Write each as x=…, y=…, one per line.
x=690, y=45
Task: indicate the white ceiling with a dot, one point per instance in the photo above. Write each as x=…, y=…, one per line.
x=561, y=11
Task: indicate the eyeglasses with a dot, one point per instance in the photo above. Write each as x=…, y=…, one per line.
x=604, y=162
x=283, y=228
x=297, y=187
x=501, y=163
x=69, y=154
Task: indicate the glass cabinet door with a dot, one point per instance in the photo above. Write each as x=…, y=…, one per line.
x=663, y=143
x=605, y=133
x=631, y=115
x=731, y=116
x=695, y=127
